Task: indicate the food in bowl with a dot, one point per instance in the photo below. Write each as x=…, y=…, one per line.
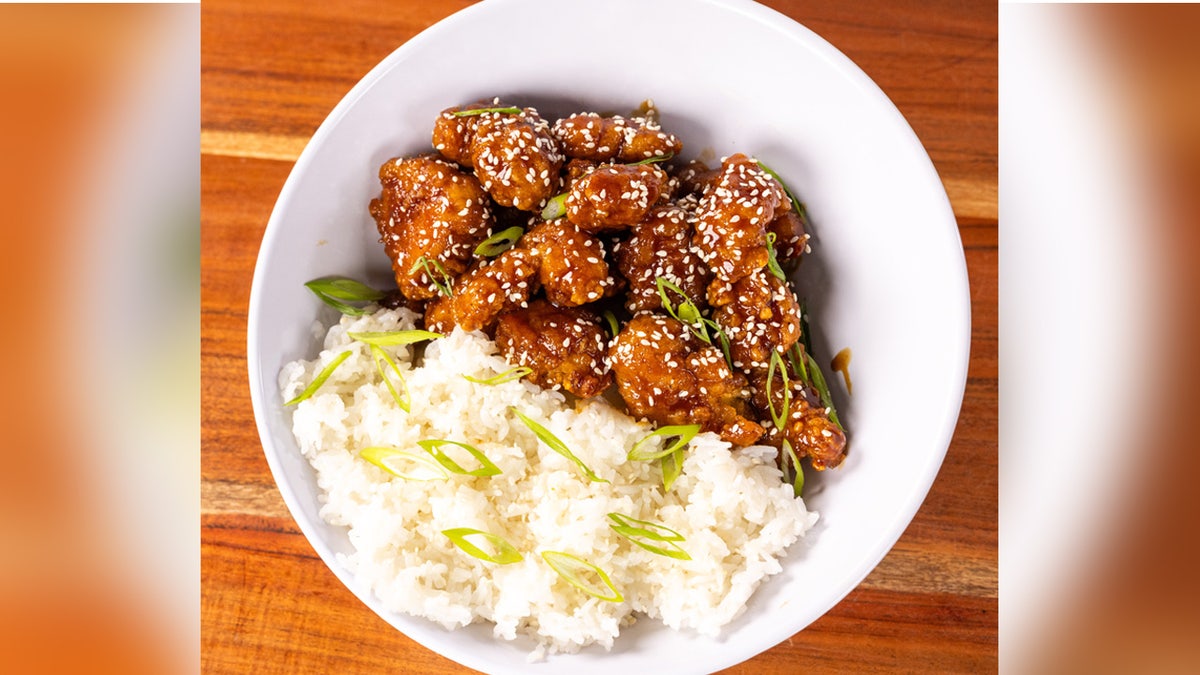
x=559, y=293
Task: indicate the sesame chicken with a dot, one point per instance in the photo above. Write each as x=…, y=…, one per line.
x=762, y=315
x=806, y=424
x=487, y=289
x=667, y=375
x=428, y=208
x=615, y=196
x=661, y=246
x=731, y=224
x=564, y=346
x=603, y=139
x=573, y=270
x=791, y=239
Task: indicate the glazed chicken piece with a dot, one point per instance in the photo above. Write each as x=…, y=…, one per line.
x=791, y=240
x=615, y=196
x=572, y=266
x=695, y=176
x=564, y=346
x=514, y=155
x=490, y=287
x=806, y=426
x=661, y=246
x=603, y=139
x=427, y=207
x=731, y=224
x=669, y=376
x=761, y=314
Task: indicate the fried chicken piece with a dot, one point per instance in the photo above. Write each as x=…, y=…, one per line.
x=731, y=224
x=573, y=270
x=791, y=240
x=695, y=176
x=669, y=376
x=428, y=207
x=602, y=139
x=661, y=246
x=615, y=196
x=514, y=155
x=761, y=314
x=806, y=426
x=564, y=346
x=490, y=287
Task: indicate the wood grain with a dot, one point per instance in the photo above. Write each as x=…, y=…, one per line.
x=272, y=70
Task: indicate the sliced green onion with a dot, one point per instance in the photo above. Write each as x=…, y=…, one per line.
x=685, y=432
x=556, y=207
x=672, y=466
x=446, y=285
x=556, y=445
x=408, y=465
x=507, y=376
x=381, y=357
x=611, y=319
x=434, y=447
x=393, y=338
x=795, y=202
x=685, y=312
x=505, y=553
x=319, y=379
x=511, y=110
x=798, y=481
x=773, y=258
x=818, y=381
x=570, y=568
x=653, y=160
x=653, y=531
x=779, y=418
x=723, y=340
x=500, y=242
x=797, y=360
x=334, y=290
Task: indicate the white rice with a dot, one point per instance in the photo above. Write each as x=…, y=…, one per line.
x=735, y=513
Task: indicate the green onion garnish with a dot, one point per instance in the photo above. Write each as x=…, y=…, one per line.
x=505, y=553
x=500, y=242
x=556, y=207
x=507, y=376
x=773, y=259
x=798, y=481
x=570, y=568
x=393, y=338
x=334, y=290
x=381, y=357
x=685, y=312
x=685, y=432
x=779, y=418
x=611, y=319
x=319, y=379
x=653, y=531
x=556, y=445
x=511, y=110
x=818, y=381
x=797, y=360
x=404, y=463
x=434, y=447
x=672, y=466
x=795, y=202
x=653, y=160
x=446, y=285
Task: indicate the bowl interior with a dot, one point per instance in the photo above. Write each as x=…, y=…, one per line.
x=886, y=277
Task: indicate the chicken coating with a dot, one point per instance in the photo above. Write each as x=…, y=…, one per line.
x=669, y=376
x=514, y=155
x=564, y=346
x=661, y=246
x=761, y=315
x=615, y=196
x=731, y=224
x=806, y=426
x=791, y=239
x=490, y=287
x=428, y=208
x=695, y=176
x=602, y=139
x=572, y=266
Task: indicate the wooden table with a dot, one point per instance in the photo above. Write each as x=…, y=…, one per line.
x=273, y=69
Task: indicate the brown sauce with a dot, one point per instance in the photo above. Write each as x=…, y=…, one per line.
x=841, y=363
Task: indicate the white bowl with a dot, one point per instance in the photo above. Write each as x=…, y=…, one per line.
x=886, y=277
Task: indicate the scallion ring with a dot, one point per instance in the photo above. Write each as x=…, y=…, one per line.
x=798, y=481
x=556, y=207
x=653, y=160
x=685, y=433
x=510, y=110
x=779, y=418
x=557, y=445
x=417, y=466
x=394, y=338
x=507, y=376
x=505, y=553
x=672, y=466
x=404, y=401
x=319, y=379
x=637, y=531
x=434, y=447
x=571, y=569
x=500, y=242
x=333, y=291
x=445, y=285
x=686, y=311
x=773, y=258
